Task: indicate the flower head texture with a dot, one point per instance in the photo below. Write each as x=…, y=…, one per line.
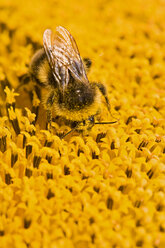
x=104, y=187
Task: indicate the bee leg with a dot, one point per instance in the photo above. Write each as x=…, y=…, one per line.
x=74, y=126
x=87, y=63
x=49, y=119
x=38, y=91
x=104, y=93
x=49, y=104
x=66, y=134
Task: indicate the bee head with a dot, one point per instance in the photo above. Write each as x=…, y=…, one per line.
x=78, y=95
x=83, y=125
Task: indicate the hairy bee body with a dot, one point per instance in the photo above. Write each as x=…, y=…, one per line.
x=76, y=103
x=58, y=68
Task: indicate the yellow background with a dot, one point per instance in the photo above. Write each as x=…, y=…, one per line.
x=104, y=188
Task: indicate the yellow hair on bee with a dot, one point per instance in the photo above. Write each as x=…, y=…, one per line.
x=43, y=71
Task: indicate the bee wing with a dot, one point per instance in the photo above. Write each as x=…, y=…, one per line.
x=63, y=56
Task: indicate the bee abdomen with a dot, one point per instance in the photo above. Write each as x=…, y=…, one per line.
x=37, y=61
x=40, y=70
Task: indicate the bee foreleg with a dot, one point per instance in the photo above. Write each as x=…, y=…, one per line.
x=72, y=130
x=104, y=93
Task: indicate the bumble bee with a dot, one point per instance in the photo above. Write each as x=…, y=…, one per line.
x=58, y=68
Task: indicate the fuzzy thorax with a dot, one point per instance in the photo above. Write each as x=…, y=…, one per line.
x=60, y=109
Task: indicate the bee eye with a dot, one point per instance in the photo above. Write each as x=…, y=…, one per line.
x=91, y=119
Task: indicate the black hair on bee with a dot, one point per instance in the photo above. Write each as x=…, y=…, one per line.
x=58, y=68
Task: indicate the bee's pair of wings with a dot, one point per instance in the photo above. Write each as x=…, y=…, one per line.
x=63, y=56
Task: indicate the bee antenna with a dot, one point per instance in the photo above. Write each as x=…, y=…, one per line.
x=108, y=122
x=66, y=134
